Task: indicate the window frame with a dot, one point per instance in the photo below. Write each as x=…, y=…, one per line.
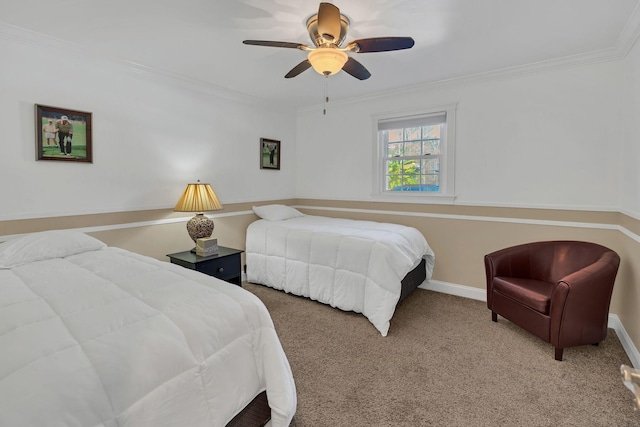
x=446, y=192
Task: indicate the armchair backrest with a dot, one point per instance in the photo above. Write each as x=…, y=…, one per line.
x=550, y=261
x=561, y=258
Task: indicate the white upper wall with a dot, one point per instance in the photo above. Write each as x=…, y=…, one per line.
x=549, y=139
x=151, y=136
x=631, y=147
x=566, y=138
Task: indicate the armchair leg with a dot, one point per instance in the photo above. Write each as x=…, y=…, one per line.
x=494, y=316
x=559, y=354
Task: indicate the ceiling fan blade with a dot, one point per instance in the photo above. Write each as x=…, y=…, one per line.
x=329, y=22
x=356, y=69
x=303, y=66
x=380, y=44
x=275, y=44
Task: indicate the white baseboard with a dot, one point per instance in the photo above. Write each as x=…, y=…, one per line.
x=481, y=295
x=631, y=350
x=453, y=289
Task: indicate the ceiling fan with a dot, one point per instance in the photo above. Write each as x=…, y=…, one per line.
x=328, y=29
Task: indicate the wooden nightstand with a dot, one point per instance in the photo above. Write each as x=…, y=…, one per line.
x=227, y=265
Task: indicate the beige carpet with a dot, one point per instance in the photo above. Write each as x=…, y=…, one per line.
x=444, y=363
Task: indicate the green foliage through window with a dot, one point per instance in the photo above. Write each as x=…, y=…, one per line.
x=413, y=157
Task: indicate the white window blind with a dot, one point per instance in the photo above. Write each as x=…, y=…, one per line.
x=415, y=153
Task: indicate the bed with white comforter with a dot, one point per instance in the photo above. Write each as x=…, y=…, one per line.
x=352, y=265
x=92, y=335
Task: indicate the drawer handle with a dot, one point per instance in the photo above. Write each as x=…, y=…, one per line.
x=221, y=270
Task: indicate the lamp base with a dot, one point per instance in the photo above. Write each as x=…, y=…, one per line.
x=199, y=227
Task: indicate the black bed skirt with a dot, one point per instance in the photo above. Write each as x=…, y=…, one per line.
x=255, y=414
x=413, y=279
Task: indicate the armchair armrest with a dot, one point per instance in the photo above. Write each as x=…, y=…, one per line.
x=580, y=302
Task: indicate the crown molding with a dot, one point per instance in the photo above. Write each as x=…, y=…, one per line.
x=626, y=40
x=37, y=40
x=629, y=34
x=565, y=62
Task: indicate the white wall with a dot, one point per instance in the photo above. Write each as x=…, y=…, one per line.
x=563, y=138
x=631, y=147
x=151, y=136
x=550, y=139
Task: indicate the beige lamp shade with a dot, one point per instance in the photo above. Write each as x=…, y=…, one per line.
x=198, y=198
x=327, y=61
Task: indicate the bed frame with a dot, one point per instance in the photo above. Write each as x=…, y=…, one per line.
x=413, y=279
x=256, y=414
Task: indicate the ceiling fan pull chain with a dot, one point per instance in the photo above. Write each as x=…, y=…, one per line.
x=326, y=94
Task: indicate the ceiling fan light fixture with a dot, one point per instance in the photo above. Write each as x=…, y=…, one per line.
x=327, y=60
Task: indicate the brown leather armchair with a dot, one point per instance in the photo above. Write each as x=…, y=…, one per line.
x=559, y=290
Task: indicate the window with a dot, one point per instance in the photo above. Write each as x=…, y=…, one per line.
x=415, y=153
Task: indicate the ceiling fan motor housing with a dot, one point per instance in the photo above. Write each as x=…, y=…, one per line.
x=326, y=40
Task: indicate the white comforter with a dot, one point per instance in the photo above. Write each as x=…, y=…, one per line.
x=352, y=265
x=107, y=337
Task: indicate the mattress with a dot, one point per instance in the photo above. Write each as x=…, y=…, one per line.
x=348, y=264
x=98, y=336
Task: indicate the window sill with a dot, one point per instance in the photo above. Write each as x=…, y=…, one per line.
x=413, y=197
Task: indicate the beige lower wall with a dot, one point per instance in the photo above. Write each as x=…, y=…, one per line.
x=459, y=235
x=153, y=233
x=159, y=240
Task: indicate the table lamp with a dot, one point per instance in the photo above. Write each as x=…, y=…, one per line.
x=198, y=198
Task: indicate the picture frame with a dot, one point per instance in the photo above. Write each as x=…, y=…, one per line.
x=73, y=126
x=269, y=154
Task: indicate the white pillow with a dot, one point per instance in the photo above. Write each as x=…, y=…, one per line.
x=45, y=245
x=276, y=212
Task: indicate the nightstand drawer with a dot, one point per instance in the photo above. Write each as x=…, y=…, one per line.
x=223, y=268
x=227, y=265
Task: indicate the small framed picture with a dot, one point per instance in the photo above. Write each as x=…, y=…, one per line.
x=63, y=134
x=269, y=154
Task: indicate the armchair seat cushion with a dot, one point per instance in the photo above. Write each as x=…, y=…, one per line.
x=535, y=294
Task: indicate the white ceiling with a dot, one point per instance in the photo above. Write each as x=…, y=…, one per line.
x=201, y=40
